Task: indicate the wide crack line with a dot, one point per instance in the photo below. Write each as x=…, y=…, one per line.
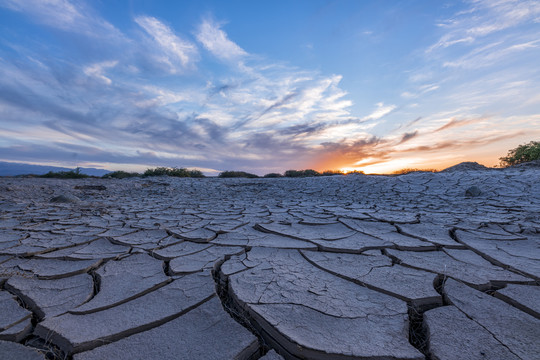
x=233, y=308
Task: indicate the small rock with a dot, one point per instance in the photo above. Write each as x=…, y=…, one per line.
x=473, y=191
x=65, y=199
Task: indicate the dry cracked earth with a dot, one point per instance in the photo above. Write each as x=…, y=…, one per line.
x=417, y=266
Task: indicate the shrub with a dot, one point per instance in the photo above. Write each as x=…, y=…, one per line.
x=236, y=174
x=522, y=153
x=120, y=175
x=410, y=170
x=196, y=174
x=71, y=174
x=273, y=175
x=357, y=172
x=165, y=171
x=177, y=172
x=301, y=173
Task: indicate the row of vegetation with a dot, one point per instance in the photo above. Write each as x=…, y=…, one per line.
x=71, y=174
x=177, y=172
x=159, y=171
x=183, y=172
x=521, y=154
x=288, y=173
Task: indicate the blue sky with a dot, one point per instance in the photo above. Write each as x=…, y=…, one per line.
x=267, y=86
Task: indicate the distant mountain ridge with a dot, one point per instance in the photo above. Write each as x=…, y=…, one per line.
x=14, y=169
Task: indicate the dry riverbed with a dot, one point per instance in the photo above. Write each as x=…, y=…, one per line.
x=425, y=265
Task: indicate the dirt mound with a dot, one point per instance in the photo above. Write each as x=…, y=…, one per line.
x=465, y=166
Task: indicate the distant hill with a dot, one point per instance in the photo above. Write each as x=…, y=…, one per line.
x=13, y=169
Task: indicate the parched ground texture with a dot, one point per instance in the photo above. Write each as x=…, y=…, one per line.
x=418, y=266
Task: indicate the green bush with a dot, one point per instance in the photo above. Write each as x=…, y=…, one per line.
x=196, y=174
x=522, y=153
x=71, y=174
x=236, y=174
x=301, y=173
x=120, y=175
x=165, y=171
x=177, y=172
x=273, y=175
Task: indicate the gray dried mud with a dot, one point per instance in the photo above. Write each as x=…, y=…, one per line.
x=419, y=266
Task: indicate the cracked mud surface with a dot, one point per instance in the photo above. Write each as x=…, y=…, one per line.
x=346, y=267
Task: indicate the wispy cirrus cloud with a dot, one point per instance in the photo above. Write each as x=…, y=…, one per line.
x=454, y=122
x=484, y=18
x=491, y=54
x=98, y=71
x=381, y=111
x=484, y=35
x=408, y=136
x=215, y=40
x=65, y=15
x=460, y=143
x=420, y=91
x=170, y=48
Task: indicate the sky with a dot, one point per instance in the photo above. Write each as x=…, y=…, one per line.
x=267, y=86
